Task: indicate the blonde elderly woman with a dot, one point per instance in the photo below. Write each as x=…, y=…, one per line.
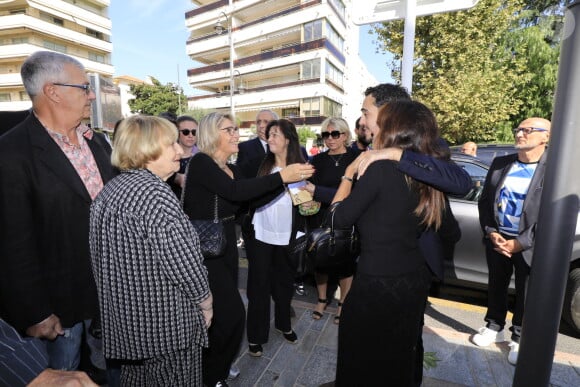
x=152, y=285
x=210, y=176
x=330, y=167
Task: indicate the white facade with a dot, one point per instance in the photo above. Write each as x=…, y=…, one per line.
x=79, y=28
x=298, y=58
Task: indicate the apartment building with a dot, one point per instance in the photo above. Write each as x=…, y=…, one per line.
x=296, y=57
x=79, y=28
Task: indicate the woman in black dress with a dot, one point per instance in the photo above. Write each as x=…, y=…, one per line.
x=330, y=167
x=209, y=175
x=381, y=317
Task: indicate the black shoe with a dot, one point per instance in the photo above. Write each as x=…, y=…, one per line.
x=255, y=350
x=299, y=289
x=221, y=383
x=290, y=336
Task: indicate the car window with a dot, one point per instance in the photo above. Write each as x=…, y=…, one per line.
x=477, y=174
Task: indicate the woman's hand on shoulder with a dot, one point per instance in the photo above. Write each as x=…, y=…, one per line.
x=367, y=158
x=296, y=172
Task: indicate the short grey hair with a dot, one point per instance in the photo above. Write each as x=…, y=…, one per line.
x=271, y=112
x=208, y=131
x=43, y=67
x=339, y=124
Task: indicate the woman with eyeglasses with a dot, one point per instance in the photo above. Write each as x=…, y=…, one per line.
x=330, y=167
x=276, y=223
x=209, y=174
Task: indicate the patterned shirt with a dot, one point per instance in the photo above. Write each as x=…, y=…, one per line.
x=512, y=195
x=21, y=359
x=81, y=157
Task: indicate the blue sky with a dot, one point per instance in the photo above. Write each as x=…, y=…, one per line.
x=150, y=40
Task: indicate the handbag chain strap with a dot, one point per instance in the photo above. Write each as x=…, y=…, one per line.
x=182, y=198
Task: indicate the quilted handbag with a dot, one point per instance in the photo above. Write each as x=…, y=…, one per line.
x=329, y=247
x=211, y=233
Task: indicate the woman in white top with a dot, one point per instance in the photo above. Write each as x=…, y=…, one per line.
x=276, y=222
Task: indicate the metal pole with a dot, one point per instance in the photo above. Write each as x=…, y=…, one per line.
x=409, y=45
x=231, y=42
x=178, y=92
x=557, y=219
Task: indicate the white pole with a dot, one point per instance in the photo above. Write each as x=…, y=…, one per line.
x=409, y=45
x=231, y=41
x=178, y=91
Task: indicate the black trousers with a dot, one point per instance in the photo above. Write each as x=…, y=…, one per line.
x=500, y=273
x=269, y=274
x=379, y=325
x=227, y=328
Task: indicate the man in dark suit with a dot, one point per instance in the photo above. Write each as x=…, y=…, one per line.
x=51, y=168
x=252, y=152
x=508, y=213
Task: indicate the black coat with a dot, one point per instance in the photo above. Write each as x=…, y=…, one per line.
x=44, y=229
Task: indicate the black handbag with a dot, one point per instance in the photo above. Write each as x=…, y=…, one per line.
x=329, y=247
x=211, y=232
x=297, y=255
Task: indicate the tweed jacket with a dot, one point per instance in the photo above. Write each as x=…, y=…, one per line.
x=44, y=228
x=148, y=269
x=489, y=197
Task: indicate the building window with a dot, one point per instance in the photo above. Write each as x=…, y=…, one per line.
x=311, y=69
x=96, y=57
x=24, y=96
x=313, y=30
x=51, y=19
x=311, y=107
x=18, y=11
x=5, y=97
x=334, y=37
x=19, y=40
x=291, y=112
x=332, y=108
x=95, y=34
x=54, y=46
x=339, y=6
x=334, y=74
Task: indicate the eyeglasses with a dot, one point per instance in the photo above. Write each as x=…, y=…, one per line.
x=86, y=87
x=334, y=134
x=526, y=131
x=232, y=130
x=186, y=132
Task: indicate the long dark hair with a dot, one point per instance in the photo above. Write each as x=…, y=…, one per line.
x=293, y=153
x=410, y=125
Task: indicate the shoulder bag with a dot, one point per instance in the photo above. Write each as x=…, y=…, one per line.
x=329, y=247
x=211, y=232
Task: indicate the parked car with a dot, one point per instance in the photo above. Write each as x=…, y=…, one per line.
x=469, y=268
x=487, y=152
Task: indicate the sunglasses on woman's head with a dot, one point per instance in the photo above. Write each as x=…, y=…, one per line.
x=334, y=134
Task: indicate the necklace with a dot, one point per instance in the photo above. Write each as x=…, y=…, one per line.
x=337, y=161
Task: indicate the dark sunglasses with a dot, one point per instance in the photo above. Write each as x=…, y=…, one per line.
x=334, y=134
x=186, y=132
x=527, y=131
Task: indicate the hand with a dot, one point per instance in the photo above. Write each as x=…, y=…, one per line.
x=308, y=187
x=370, y=156
x=296, y=172
x=58, y=378
x=49, y=328
x=206, y=307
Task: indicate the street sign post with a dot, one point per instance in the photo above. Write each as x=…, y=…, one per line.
x=375, y=11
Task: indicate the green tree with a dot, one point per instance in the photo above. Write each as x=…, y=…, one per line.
x=464, y=70
x=156, y=98
x=304, y=133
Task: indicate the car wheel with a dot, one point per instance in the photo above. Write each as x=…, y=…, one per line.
x=571, y=311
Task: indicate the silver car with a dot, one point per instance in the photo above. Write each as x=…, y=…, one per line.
x=469, y=268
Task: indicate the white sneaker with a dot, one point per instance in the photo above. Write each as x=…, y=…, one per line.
x=513, y=355
x=487, y=336
x=234, y=372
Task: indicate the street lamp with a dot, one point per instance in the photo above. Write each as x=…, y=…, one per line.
x=240, y=88
x=220, y=29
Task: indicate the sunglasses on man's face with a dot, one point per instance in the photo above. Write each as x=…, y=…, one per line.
x=334, y=134
x=186, y=132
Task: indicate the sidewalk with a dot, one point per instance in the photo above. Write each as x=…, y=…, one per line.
x=312, y=361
